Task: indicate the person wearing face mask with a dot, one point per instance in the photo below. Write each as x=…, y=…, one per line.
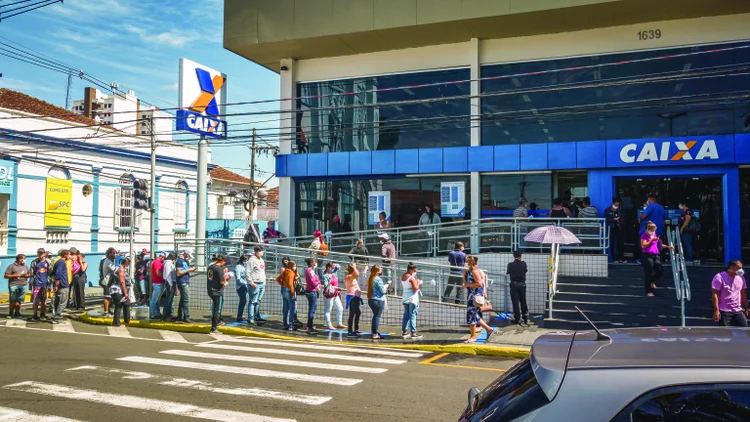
x=729, y=296
x=613, y=215
x=256, y=279
x=688, y=228
x=312, y=287
x=651, y=247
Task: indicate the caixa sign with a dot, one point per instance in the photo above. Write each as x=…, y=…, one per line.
x=701, y=150
x=199, y=123
x=6, y=176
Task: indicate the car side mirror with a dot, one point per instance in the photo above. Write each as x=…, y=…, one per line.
x=473, y=395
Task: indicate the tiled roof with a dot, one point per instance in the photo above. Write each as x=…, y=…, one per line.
x=273, y=196
x=220, y=173
x=15, y=100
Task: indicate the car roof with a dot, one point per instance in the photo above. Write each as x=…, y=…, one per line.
x=644, y=347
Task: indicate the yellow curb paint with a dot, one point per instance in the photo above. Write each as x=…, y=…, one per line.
x=431, y=362
x=434, y=358
x=470, y=349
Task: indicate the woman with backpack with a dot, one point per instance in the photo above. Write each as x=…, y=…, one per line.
x=353, y=300
x=331, y=293
x=119, y=289
x=286, y=280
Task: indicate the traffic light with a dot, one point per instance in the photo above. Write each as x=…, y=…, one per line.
x=140, y=194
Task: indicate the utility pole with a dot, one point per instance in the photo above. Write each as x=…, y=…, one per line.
x=152, y=235
x=67, y=92
x=255, y=196
x=252, y=177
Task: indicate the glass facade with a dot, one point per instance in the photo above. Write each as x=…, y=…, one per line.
x=319, y=202
x=399, y=115
x=618, y=96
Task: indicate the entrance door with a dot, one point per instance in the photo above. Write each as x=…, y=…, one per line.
x=702, y=195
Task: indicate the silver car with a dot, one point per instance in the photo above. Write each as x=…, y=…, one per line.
x=638, y=374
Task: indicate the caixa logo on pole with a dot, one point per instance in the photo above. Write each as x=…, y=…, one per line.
x=669, y=151
x=202, y=98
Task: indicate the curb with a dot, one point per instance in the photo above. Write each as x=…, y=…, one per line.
x=515, y=352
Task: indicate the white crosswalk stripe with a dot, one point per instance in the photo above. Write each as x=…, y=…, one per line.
x=142, y=403
x=64, y=326
x=207, y=386
x=356, y=349
x=16, y=323
x=121, y=331
x=271, y=361
x=172, y=336
x=14, y=415
x=239, y=370
x=302, y=353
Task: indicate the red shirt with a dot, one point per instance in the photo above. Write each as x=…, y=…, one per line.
x=157, y=266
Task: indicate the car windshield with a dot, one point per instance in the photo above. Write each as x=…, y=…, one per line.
x=512, y=395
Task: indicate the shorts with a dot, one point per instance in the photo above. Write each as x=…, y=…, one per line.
x=106, y=291
x=39, y=294
x=17, y=294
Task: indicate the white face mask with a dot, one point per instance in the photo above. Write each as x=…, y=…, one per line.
x=681, y=206
x=740, y=272
x=315, y=266
x=651, y=232
x=644, y=207
x=614, y=207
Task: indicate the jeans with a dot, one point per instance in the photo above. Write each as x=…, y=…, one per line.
x=288, y=308
x=79, y=292
x=60, y=303
x=330, y=304
x=256, y=294
x=733, y=319
x=410, y=317
x=652, y=270
x=183, y=308
x=217, y=302
x=687, y=246
x=617, y=243
x=354, y=314
x=454, y=281
x=377, y=307
x=120, y=307
x=312, y=302
x=518, y=297
x=169, y=302
x=242, y=293
x=154, y=311
x=143, y=287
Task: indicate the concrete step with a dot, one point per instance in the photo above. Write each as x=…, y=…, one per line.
x=625, y=319
x=671, y=309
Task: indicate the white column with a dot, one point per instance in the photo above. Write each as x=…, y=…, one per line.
x=476, y=139
x=288, y=134
x=201, y=200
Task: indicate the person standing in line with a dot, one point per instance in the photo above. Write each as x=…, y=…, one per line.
x=170, y=284
x=40, y=273
x=521, y=211
x=517, y=274
x=142, y=263
x=383, y=222
x=651, y=247
x=240, y=280
x=613, y=216
x=256, y=279
x=353, y=300
x=157, y=281
x=317, y=240
x=388, y=253
x=286, y=280
x=107, y=269
x=652, y=213
x=361, y=263
x=61, y=280
x=312, y=286
x=588, y=210
x=17, y=274
x=410, y=299
x=119, y=291
x=79, y=267
x=71, y=281
x=474, y=282
x=331, y=283
x=729, y=296
x=558, y=210
x=376, y=298
x=457, y=260
x=184, y=269
x=217, y=278
x=284, y=264
x=688, y=228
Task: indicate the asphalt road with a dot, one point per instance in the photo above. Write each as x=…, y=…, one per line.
x=96, y=373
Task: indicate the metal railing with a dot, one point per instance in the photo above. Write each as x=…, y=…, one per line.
x=679, y=270
x=481, y=235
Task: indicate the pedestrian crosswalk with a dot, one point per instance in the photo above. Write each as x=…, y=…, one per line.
x=190, y=379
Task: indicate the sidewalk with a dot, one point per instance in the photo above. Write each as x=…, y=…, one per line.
x=506, y=341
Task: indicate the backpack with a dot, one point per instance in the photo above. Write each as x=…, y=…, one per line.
x=323, y=247
x=694, y=226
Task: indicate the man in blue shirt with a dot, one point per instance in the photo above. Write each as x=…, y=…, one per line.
x=60, y=287
x=183, y=269
x=654, y=213
x=456, y=258
x=40, y=273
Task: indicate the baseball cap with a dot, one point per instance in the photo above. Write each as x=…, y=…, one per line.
x=188, y=252
x=41, y=250
x=164, y=254
x=384, y=236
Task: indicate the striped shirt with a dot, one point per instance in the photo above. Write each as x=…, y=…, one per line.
x=520, y=212
x=588, y=212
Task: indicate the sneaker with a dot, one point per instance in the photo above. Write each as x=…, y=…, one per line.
x=312, y=331
x=376, y=336
x=188, y=321
x=214, y=331
x=55, y=321
x=157, y=317
x=251, y=322
x=222, y=323
x=10, y=316
x=405, y=334
x=359, y=332
x=259, y=319
x=352, y=335
x=416, y=336
x=36, y=318
x=43, y=316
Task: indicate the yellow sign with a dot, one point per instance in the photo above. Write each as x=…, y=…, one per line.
x=59, y=202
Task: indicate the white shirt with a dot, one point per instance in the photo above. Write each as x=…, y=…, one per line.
x=256, y=270
x=170, y=273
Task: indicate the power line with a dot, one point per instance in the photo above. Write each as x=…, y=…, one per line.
x=26, y=8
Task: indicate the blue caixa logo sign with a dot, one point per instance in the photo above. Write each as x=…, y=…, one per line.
x=700, y=150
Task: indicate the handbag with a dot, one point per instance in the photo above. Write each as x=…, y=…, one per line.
x=486, y=307
x=694, y=226
x=131, y=295
x=479, y=301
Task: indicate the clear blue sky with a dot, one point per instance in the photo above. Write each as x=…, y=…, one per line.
x=138, y=43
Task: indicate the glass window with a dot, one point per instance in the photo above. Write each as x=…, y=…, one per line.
x=180, y=205
x=511, y=396
x=320, y=202
x=385, y=112
x=691, y=403
x=501, y=193
x=696, y=91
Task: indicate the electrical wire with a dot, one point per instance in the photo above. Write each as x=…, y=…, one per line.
x=26, y=8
